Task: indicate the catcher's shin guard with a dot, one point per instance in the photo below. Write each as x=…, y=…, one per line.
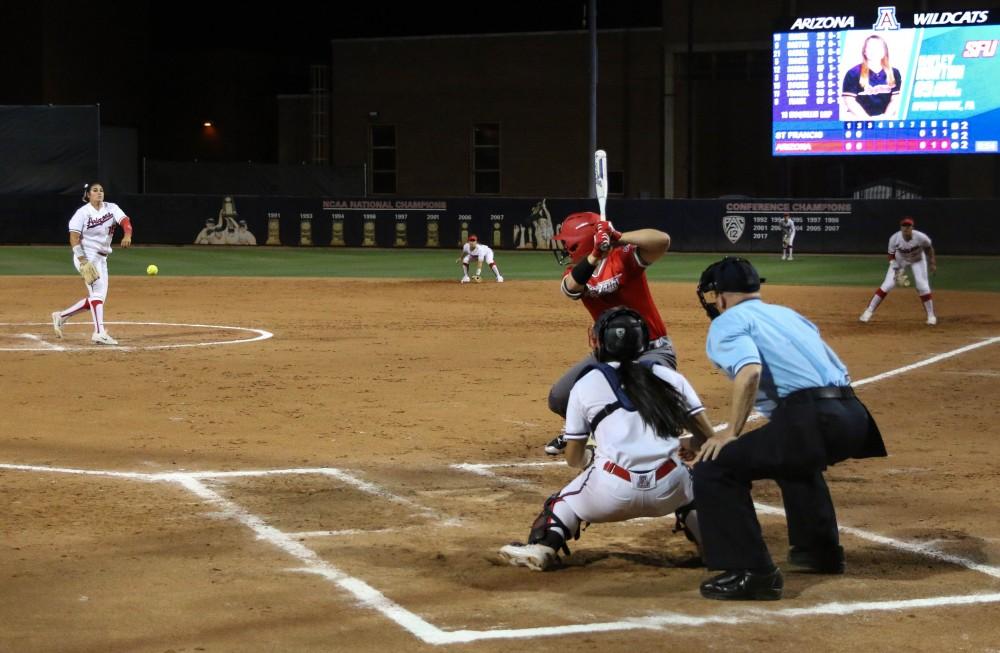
x=542, y=531
x=687, y=523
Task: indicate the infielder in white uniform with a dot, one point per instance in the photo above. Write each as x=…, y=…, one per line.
x=474, y=251
x=90, y=232
x=911, y=250
x=787, y=238
x=635, y=413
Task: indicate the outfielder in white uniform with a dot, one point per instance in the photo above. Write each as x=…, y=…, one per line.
x=635, y=413
x=909, y=250
x=787, y=238
x=475, y=251
x=90, y=232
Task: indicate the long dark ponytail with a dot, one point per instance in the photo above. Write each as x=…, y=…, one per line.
x=658, y=403
x=620, y=334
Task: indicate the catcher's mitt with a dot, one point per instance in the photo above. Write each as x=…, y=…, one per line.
x=89, y=272
x=902, y=279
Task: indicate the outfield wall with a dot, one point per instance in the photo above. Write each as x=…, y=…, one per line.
x=827, y=226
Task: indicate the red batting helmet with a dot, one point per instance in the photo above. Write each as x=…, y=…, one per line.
x=577, y=234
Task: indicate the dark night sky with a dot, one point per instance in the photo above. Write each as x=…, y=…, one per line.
x=299, y=28
x=165, y=67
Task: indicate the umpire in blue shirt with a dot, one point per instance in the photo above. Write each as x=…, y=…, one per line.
x=779, y=365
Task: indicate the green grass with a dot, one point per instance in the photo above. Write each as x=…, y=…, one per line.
x=955, y=272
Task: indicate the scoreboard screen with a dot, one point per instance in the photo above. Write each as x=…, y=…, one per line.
x=923, y=83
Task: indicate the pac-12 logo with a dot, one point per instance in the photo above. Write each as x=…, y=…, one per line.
x=732, y=226
x=886, y=19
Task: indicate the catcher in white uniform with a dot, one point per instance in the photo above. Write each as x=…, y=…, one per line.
x=635, y=413
x=90, y=232
x=474, y=251
x=909, y=250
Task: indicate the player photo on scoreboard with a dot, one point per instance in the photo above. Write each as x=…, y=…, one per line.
x=873, y=73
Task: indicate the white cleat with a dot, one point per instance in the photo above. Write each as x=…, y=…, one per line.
x=867, y=315
x=499, y=279
x=103, y=338
x=57, y=323
x=536, y=557
x=465, y=279
x=931, y=320
x=791, y=258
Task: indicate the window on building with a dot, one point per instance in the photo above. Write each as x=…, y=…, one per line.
x=486, y=158
x=383, y=158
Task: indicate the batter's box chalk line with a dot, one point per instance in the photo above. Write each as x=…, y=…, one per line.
x=369, y=597
x=49, y=342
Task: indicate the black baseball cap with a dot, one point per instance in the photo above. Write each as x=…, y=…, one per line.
x=731, y=274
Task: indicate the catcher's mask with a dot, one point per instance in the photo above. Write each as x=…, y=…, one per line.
x=577, y=236
x=731, y=274
x=620, y=334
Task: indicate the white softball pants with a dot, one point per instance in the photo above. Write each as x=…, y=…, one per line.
x=917, y=270
x=598, y=496
x=99, y=289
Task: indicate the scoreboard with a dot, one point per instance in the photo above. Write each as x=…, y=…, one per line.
x=924, y=83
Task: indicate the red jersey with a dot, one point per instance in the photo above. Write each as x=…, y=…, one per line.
x=620, y=280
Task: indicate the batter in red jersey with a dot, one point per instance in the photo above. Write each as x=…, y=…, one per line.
x=609, y=269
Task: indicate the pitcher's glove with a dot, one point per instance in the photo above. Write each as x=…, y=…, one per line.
x=902, y=279
x=89, y=272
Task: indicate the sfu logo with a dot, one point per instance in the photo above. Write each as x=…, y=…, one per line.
x=980, y=49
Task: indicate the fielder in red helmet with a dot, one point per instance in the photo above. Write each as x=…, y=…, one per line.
x=609, y=269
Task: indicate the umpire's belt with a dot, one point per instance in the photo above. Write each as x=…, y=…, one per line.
x=827, y=392
x=624, y=474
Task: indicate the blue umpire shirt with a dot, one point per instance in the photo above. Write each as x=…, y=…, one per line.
x=788, y=347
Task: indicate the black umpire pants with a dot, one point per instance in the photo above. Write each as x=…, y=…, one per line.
x=808, y=431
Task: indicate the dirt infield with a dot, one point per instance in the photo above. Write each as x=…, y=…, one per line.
x=343, y=484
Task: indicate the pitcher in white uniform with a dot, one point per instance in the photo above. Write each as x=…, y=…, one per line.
x=910, y=250
x=635, y=412
x=90, y=232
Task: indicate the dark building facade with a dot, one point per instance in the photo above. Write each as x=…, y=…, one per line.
x=497, y=114
x=683, y=111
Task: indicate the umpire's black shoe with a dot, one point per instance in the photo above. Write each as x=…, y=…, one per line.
x=819, y=561
x=744, y=585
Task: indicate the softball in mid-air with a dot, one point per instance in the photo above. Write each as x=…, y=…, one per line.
x=152, y=270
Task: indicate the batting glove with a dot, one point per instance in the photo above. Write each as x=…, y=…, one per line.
x=614, y=233
x=602, y=243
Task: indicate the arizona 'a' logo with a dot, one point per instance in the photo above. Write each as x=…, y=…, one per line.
x=886, y=19
x=733, y=226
